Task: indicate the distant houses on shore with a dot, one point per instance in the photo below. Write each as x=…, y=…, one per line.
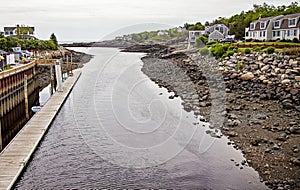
x=16, y=55
x=264, y=29
x=275, y=28
x=23, y=32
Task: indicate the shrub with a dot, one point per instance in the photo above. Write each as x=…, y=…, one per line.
x=205, y=35
x=210, y=43
x=258, y=48
x=204, y=39
x=233, y=48
x=226, y=46
x=292, y=51
x=295, y=40
x=201, y=41
x=204, y=51
x=217, y=50
x=229, y=53
x=270, y=50
x=247, y=51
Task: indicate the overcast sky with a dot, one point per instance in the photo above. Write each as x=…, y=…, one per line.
x=90, y=20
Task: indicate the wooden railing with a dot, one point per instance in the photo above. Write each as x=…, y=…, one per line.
x=47, y=61
x=15, y=70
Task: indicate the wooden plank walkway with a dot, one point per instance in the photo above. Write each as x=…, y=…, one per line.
x=16, y=155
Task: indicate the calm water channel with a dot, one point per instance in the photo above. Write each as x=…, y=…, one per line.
x=118, y=129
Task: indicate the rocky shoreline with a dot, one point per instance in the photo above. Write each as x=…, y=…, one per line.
x=256, y=98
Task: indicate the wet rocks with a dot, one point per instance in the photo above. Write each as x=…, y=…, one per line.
x=260, y=114
x=295, y=161
x=247, y=76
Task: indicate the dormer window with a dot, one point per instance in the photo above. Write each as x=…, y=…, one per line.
x=292, y=22
x=262, y=25
x=252, y=26
x=277, y=24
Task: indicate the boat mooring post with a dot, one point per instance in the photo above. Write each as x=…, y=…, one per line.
x=58, y=76
x=0, y=136
x=51, y=80
x=26, y=97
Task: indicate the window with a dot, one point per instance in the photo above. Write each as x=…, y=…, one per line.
x=276, y=33
x=292, y=22
x=277, y=24
x=295, y=32
x=264, y=34
x=6, y=33
x=222, y=30
x=260, y=34
x=262, y=25
x=288, y=33
x=11, y=33
x=252, y=26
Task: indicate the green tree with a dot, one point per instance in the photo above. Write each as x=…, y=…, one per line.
x=54, y=39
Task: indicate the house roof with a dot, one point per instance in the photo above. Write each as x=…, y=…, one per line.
x=282, y=18
x=257, y=24
x=216, y=32
x=2, y=52
x=11, y=28
x=266, y=18
x=284, y=21
x=292, y=15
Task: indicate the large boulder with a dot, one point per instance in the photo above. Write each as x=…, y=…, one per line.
x=247, y=76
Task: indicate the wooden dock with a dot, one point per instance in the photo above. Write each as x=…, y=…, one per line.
x=18, y=152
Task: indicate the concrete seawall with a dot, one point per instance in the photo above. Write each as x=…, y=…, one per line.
x=18, y=152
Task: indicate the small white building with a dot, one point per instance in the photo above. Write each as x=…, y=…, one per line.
x=193, y=34
x=162, y=33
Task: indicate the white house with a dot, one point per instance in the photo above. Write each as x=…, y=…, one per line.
x=162, y=33
x=216, y=32
x=26, y=32
x=273, y=28
x=193, y=34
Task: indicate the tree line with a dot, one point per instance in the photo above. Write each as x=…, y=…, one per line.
x=7, y=43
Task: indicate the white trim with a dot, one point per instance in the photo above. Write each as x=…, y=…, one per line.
x=293, y=24
x=278, y=25
x=264, y=25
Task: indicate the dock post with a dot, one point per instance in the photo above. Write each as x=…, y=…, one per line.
x=58, y=76
x=51, y=80
x=26, y=97
x=0, y=135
